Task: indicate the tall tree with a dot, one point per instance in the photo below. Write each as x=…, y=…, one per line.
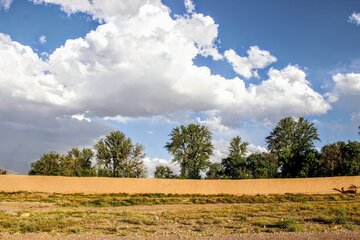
x=341, y=159
x=291, y=140
x=262, y=165
x=78, y=163
x=234, y=164
x=117, y=156
x=191, y=147
x=48, y=164
x=162, y=171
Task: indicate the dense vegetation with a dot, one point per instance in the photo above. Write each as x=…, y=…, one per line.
x=291, y=153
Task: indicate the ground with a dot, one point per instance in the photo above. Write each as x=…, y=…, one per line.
x=158, y=216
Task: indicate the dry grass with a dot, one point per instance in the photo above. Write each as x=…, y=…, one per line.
x=197, y=215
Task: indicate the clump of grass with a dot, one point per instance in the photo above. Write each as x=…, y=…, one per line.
x=340, y=217
x=289, y=224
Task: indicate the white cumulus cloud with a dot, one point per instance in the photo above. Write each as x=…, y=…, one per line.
x=347, y=83
x=355, y=18
x=189, y=6
x=246, y=66
x=42, y=39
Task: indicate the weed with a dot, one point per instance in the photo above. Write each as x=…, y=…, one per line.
x=289, y=224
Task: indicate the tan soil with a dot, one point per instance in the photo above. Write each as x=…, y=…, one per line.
x=49, y=184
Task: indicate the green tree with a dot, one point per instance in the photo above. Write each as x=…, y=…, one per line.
x=351, y=155
x=234, y=164
x=191, y=147
x=341, y=159
x=292, y=140
x=3, y=172
x=117, y=156
x=78, y=163
x=162, y=171
x=48, y=164
x=262, y=165
x=332, y=159
x=215, y=171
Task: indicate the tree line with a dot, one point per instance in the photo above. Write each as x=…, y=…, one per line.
x=291, y=153
x=116, y=156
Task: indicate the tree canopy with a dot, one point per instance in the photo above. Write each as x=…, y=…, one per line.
x=234, y=164
x=48, y=164
x=191, y=147
x=117, y=156
x=291, y=140
x=162, y=171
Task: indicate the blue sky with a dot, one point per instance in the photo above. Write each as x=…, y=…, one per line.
x=146, y=67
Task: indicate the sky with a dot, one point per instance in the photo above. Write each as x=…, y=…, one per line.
x=72, y=71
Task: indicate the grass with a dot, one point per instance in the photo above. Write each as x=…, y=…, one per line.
x=114, y=200
x=196, y=215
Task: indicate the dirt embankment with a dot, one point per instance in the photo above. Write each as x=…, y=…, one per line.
x=11, y=183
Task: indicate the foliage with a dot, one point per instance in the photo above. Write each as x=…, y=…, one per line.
x=191, y=147
x=235, y=164
x=162, y=171
x=262, y=165
x=341, y=159
x=78, y=163
x=215, y=171
x=3, y=172
x=117, y=156
x=48, y=164
x=292, y=140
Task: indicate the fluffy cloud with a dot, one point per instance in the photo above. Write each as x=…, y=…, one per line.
x=189, y=6
x=355, y=18
x=121, y=67
x=5, y=4
x=102, y=10
x=347, y=83
x=24, y=77
x=201, y=30
x=42, y=39
x=286, y=92
x=246, y=66
x=214, y=124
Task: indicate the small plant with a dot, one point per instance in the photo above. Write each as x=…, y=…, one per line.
x=289, y=224
x=340, y=217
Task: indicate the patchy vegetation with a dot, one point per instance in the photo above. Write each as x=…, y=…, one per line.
x=178, y=215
